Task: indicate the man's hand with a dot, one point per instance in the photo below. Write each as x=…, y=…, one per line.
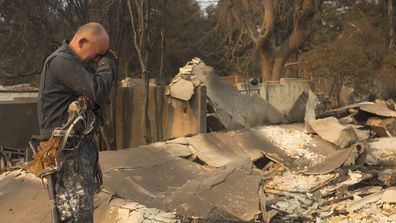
x=108, y=56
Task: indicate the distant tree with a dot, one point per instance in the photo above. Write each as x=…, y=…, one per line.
x=25, y=37
x=348, y=49
x=274, y=29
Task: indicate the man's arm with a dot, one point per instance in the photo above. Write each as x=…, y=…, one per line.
x=73, y=75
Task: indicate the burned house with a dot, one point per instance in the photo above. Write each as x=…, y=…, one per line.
x=257, y=165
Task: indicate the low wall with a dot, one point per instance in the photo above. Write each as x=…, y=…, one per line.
x=18, y=117
x=18, y=122
x=281, y=94
x=179, y=118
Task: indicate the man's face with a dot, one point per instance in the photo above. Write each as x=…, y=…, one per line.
x=92, y=49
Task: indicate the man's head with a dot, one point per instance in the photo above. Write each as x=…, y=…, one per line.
x=90, y=42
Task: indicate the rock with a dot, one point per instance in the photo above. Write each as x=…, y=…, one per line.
x=331, y=130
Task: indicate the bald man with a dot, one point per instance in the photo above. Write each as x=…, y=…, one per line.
x=67, y=75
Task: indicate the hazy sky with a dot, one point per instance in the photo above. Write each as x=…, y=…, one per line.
x=206, y=3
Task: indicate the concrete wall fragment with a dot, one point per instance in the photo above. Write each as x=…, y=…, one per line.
x=248, y=111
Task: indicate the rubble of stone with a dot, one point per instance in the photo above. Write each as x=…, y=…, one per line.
x=231, y=109
x=276, y=173
x=183, y=84
x=362, y=190
x=337, y=166
x=12, y=158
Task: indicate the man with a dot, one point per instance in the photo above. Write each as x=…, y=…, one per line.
x=67, y=75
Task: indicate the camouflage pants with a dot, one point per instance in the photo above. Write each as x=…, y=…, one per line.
x=75, y=184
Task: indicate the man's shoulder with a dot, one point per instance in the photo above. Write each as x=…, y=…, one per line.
x=61, y=52
x=60, y=57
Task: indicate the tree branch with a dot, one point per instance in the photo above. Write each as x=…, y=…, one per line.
x=302, y=26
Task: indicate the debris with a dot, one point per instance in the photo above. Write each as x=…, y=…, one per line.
x=331, y=130
x=299, y=183
x=378, y=108
x=337, y=159
x=346, y=95
x=292, y=142
x=390, y=104
x=382, y=151
x=297, y=112
x=24, y=194
x=184, y=83
x=181, y=89
x=383, y=127
x=354, y=177
x=326, y=170
x=235, y=108
x=11, y=158
x=387, y=177
x=384, y=196
x=340, y=112
x=124, y=211
x=213, y=123
x=310, y=108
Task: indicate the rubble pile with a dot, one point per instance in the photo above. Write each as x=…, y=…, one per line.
x=12, y=158
x=230, y=108
x=336, y=166
x=183, y=84
x=362, y=189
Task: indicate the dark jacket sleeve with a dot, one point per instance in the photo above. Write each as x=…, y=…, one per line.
x=74, y=76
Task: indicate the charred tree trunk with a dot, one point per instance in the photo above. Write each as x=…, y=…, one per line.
x=391, y=30
x=274, y=57
x=273, y=54
x=267, y=63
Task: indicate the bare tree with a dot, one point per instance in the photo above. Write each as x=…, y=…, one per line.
x=275, y=28
x=139, y=15
x=161, y=74
x=391, y=30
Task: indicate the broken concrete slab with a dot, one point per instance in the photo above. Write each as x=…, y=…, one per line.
x=385, y=196
x=124, y=211
x=299, y=183
x=304, y=109
x=23, y=198
x=337, y=159
x=379, y=109
x=150, y=184
x=382, y=151
x=331, y=130
x=181, y=89
x=310, y=108
x=289, y=145
x=230, y=195
x=294, y=143
x=246, y=110
x=172, y=183
x=166, y=182
x=182, y=185
x=297, y=112
x=383, y=127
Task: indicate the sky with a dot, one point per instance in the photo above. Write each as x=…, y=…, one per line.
x=205, y=3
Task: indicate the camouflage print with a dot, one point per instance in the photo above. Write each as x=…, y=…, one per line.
x=76, y=183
